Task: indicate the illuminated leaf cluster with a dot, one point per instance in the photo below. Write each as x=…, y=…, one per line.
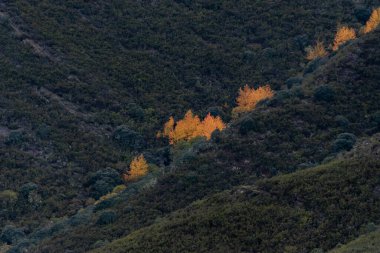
x=191, y=127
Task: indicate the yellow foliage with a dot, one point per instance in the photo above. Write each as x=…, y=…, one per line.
x=249, y=97
x=373, y=22
x=187, y=128
x=210, y=124
x=316, y=52
x=168, y=127
x=343, y=35
x=138, y=168
x=191, y=127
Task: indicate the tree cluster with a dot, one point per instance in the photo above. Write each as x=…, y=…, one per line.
x=249, y=97
x=191, y=127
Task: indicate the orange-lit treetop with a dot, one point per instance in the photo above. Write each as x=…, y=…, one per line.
x=190, y=127
x=249, y=97
x=138, y=168
x=373, y=22
x=316, y=52
x=343, y=35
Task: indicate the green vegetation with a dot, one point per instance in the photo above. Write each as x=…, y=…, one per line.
x=290, y=132
x=86, y=85
x=369, y=243
x=76, y=73
x=298, y=212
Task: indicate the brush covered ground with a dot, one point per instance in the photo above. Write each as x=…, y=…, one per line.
x=85, y=86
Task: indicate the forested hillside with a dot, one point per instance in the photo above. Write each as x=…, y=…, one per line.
x=311, y=209
x=108, y=111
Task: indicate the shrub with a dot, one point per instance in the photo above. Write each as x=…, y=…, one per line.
x=269, y=52
x=318, y=51
x=26, y=189
x=373, y=22
x=344, y=141
x=375, y=118
x=248, y=56
x=135, y=111
x=103, y=182
x=368, y=228
x=15, y=137
x=128, y=138
x=314, y=65
x=362, y=14
x=280, y=97
x=99, y=243
x=217, y=111
x=216, y=136
x=43, y=131
x=293, y=81
x=301, y=41
x=324, y=93
x=246, y=125
x=107, y=217
x=341, y=121
x=347, y=136
x=11, y=234
x=249, y=97
x=298, y=93
x=343, y=35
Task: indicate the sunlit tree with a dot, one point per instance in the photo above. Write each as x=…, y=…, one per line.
x=187, y=128
x=373, y=22
x=249, y=97
x=168, y=130
x=138, y=168
x=191, y=127
x=210, y=124
x=317, y=51
x=343, y=35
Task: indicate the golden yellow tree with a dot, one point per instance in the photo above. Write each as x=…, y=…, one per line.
x=373, y=22
x=191, y=127
x=209, y=125
x=138, y=168
x=186, y=129
x=249, y=97
x=343, y=35
x=317, y=51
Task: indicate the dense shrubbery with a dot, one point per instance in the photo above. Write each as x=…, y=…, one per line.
x=106, y=217
x=103, y=182
x=314, y=65
x=128, y=138
x=313, y=209
x=298, y=132
x=10, y=234
x=110, y=62
x=293, y=81
x=324, y=93
x=344, y=141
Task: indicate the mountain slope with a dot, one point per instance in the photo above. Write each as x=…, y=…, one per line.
x=368, y=243
x=73, y=72
x=85, y=85
x=295, y=130
x=313, y=208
